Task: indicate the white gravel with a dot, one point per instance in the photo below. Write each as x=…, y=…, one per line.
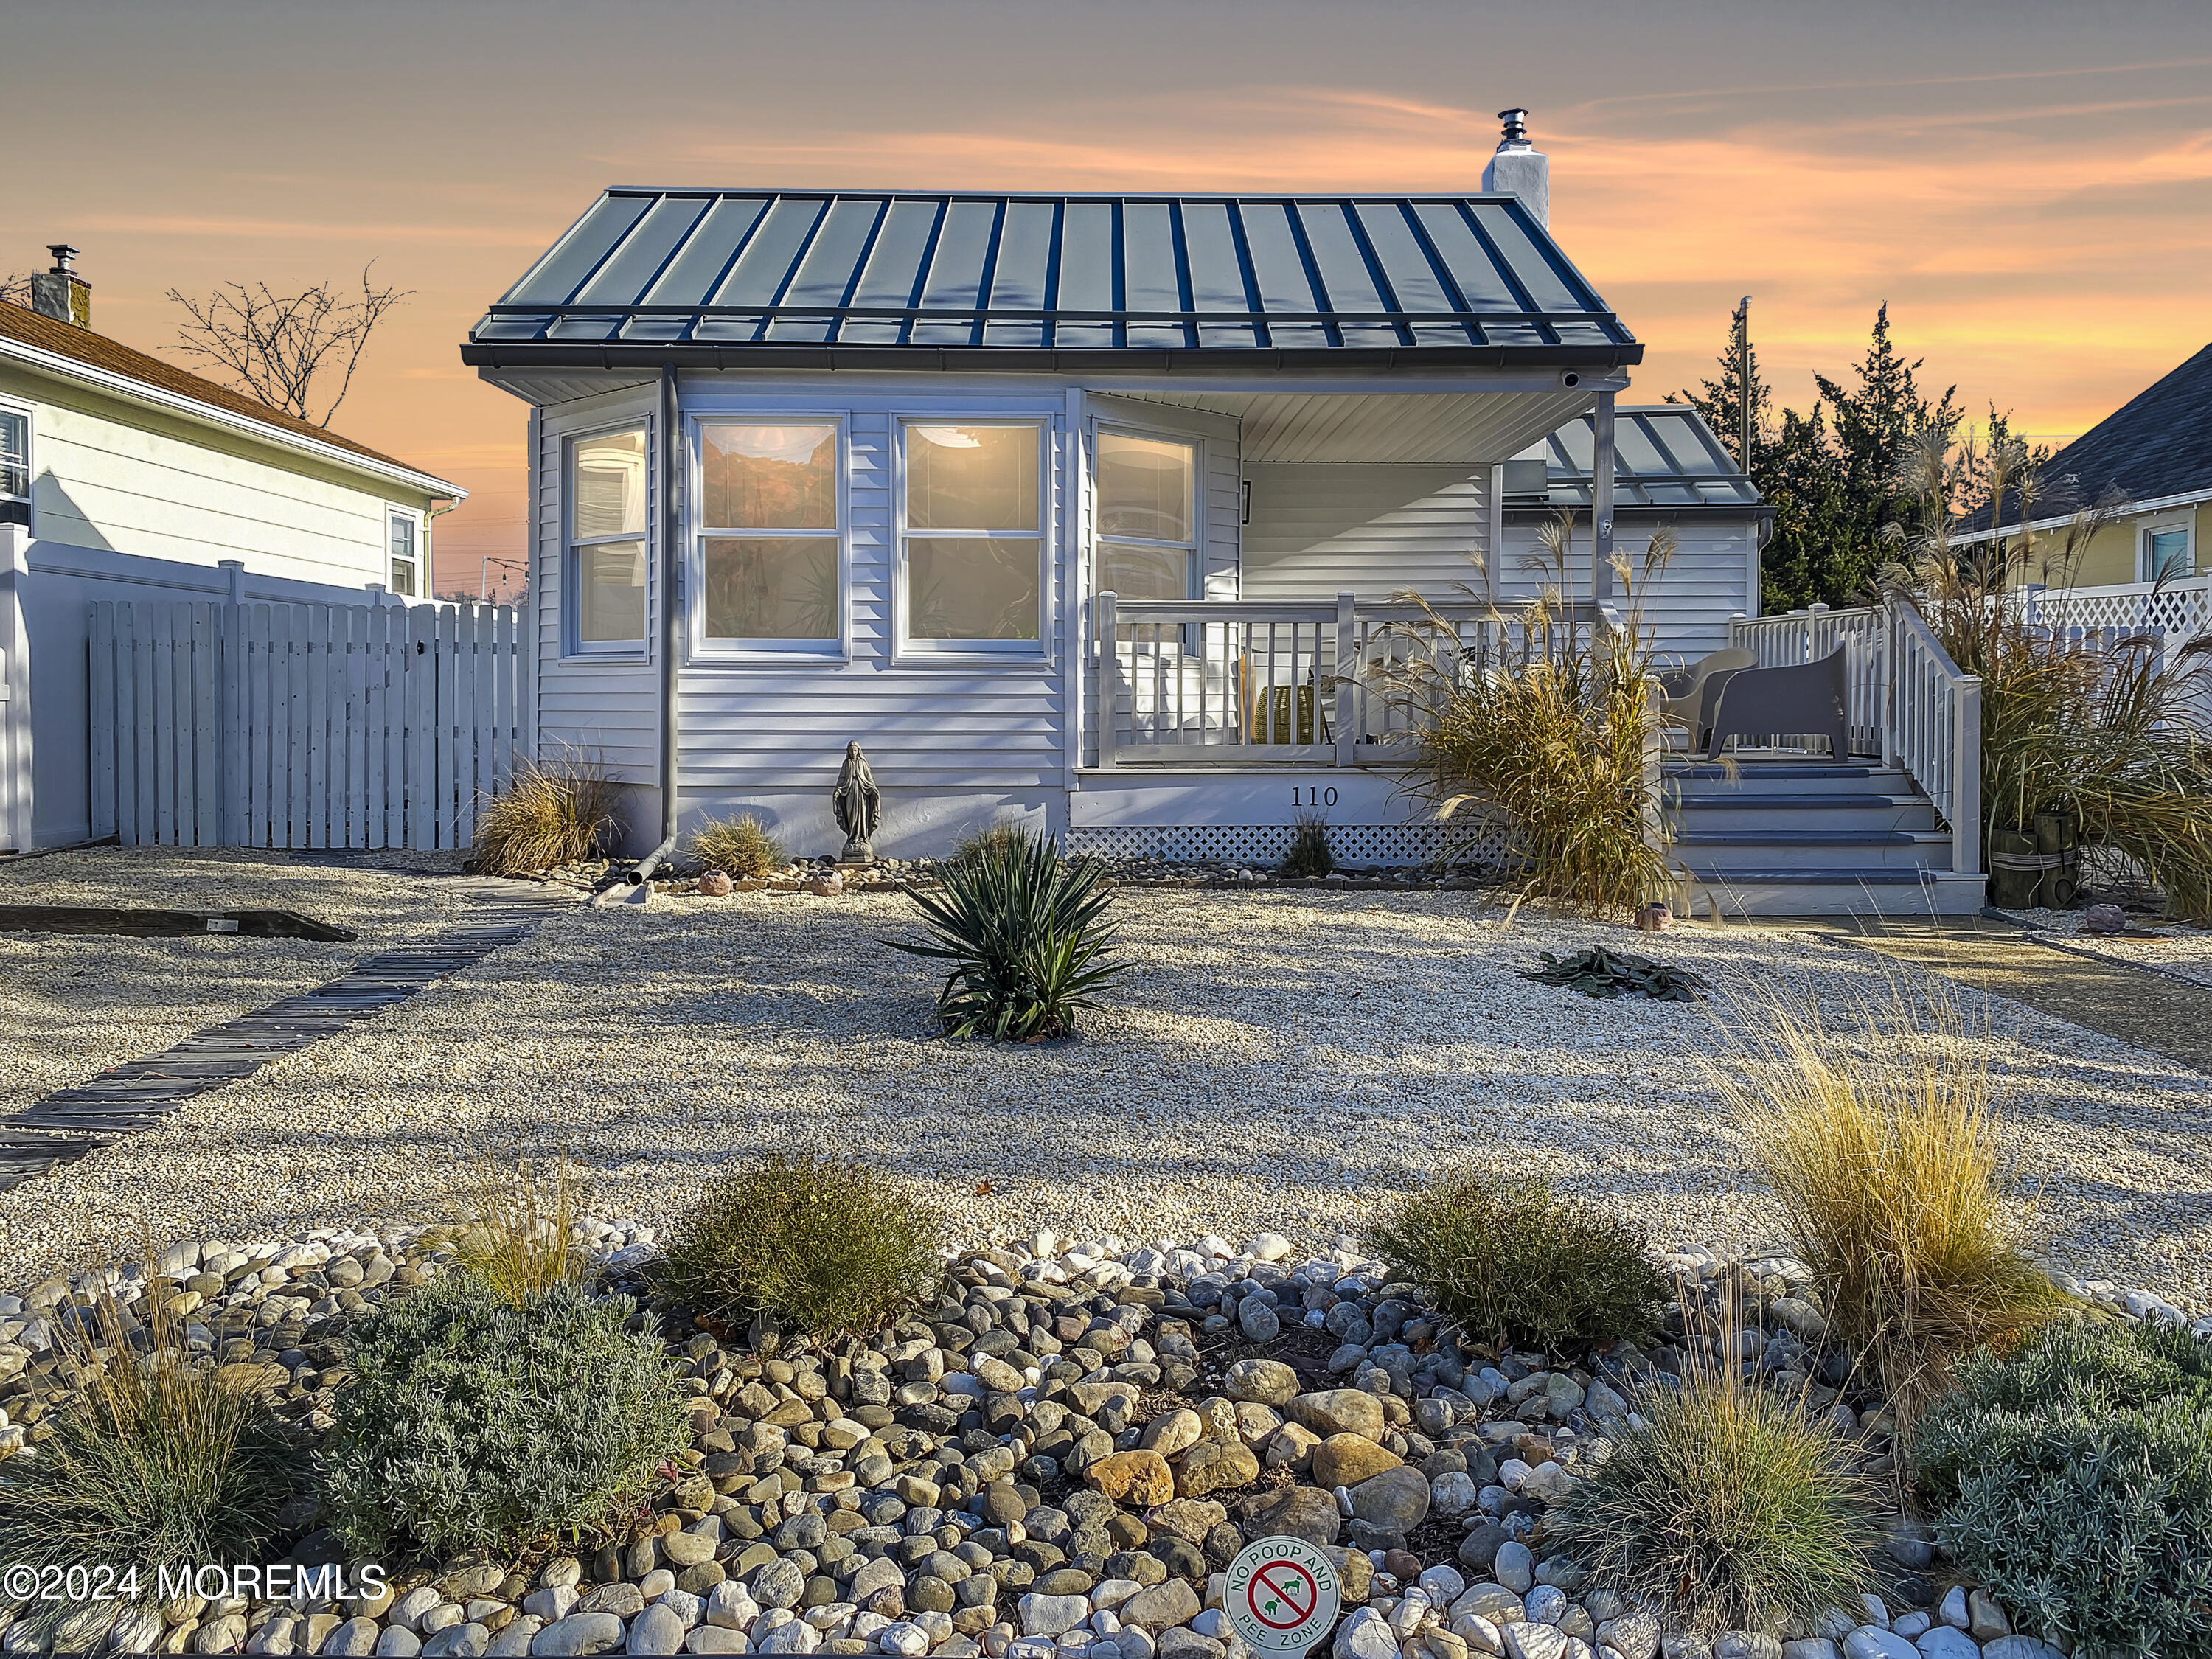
x=2180, y=949
x=73, y=1005
x=1274, y=1061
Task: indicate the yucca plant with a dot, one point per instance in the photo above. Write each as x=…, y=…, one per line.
x=739, y=847
x=1558, y=739
x=1027, y=937
x=2098, y=734
x=555, y=812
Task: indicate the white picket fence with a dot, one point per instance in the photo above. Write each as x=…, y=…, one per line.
x=304, y=725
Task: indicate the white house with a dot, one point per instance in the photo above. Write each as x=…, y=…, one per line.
x=817, y=466
x=124, y=477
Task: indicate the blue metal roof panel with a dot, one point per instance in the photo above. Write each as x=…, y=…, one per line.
x=1663, y=455
x=1084, y=273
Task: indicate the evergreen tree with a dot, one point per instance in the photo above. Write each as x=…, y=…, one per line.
x=1831, y=475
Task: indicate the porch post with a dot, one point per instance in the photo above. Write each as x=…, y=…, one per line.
x=1106, y=629
x=1602, y=501
x=1348, y=693
x=15, y=740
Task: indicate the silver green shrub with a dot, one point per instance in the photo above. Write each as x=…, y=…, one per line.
x=2074, y=1477
x=474, y=1423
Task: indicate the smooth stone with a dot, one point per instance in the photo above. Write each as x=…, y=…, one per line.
x=1174, y=1602
x=580, y=1633
x=1515, y=1567
x=1633, y=1635
x=714, y=1638
x=514, y=1641
x=1942, y=1642
x=1986, y=1619
x=1139, y=1478
x=1304, y=1512
x=1346, y=1460
x=466, y=1640
x=1396, y=1499
x=1052, y=1615
x=1871, y=1641
x=2019, y=1647
x=1265, y=1381
x=658, y=1629
x=1532, y=1642
x=1365, y=1635
x=1339, y=1411
x=1495, y=1602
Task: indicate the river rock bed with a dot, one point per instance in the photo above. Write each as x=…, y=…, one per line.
x=1056, y=1460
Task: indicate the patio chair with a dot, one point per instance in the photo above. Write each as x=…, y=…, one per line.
x=1691, y=690
x=1801, y=698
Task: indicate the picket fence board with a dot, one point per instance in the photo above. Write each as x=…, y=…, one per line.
x=303, y=725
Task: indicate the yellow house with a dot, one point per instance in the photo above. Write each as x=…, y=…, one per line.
x=2148, y=464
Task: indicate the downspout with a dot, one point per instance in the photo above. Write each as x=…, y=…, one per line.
x=671, y=538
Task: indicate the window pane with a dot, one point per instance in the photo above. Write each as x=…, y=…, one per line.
x=780, y=588
x=610, y=592
x=1144, y=573
x=611, y=485
x=1145, y=487
x=15, y=455
x=972, y=588
x=403, y=538
x=2167, y=555
x=971, y=478
x=768, y=477
x=403, y=578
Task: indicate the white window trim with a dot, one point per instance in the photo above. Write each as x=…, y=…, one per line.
x=909, y=651
x=421, y=561
x=1196, y=546
x=573, y=646
x=2165, y=524
x=699, y=646
x=30, y=495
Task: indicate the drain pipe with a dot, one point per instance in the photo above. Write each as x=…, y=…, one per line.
x=671, y=537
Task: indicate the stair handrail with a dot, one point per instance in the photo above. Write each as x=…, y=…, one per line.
x=1934, y=729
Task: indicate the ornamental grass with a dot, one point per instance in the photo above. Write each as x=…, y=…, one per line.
x=553, y=812
x=1725, y=1504
x=1885, y=1149
x=521, y=1235
x=740, y=848
x=1557, y=741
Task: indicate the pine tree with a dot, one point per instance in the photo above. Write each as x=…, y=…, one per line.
x=1875, y=428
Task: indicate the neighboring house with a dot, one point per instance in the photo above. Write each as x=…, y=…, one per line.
x=2151, y=461
x=123, y=477
x=818, y=466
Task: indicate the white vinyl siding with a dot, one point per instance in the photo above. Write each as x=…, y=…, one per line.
x=1320, y=528
x=1686, y=608
x=110, y=477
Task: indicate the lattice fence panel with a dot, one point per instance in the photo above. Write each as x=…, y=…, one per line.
x=1390, y=845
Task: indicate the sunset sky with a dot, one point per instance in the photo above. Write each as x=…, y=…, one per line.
x=2028, y=185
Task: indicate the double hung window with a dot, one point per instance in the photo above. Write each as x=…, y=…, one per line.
x=1147, y=517
x=769, y=544
x=2166, y=554
x=606, y=543
x=974, y=537
x=405, y=567
x=15, y=466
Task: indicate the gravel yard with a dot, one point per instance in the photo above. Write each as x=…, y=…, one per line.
x=1274, y=1059
x=73, y=1005
x=2180, y=950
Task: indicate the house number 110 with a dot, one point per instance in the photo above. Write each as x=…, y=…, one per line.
x=1310, y=796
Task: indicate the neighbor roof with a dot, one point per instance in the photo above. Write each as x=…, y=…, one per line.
x=97, y=351
x=1664, y=455
x=829, y=278
x=2155, y=446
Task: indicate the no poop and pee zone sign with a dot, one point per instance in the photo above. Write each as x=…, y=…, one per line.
x=1282, y=1596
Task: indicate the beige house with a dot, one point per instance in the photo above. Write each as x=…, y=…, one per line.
x=124, y=477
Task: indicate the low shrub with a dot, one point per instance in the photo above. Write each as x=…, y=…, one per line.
x=820, y=1247
x=1308, y=855
x=1027, y=937
x=2074, y=1477
x=1885, y=1153
x=996, y=842
x=1513, y=1262
x=1726, y=1507
x=474, y=1423
x=739, y=847
x=553, y=812
x=160, y=1458
x=521, y=1235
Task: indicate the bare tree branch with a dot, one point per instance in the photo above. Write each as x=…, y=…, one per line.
x=286, y=349
x=16, y=288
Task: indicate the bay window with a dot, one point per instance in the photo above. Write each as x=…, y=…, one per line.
x=769, y=539
x=606, y=544
x=973, y=536
x=1147, y=502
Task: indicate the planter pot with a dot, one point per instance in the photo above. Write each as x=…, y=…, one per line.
x=2058, y=836
x=2015, y=871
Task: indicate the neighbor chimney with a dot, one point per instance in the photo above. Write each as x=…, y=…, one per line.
x=61, y=294
x=1519, y=169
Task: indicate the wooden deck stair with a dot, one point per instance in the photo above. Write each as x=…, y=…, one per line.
x=1812, y=838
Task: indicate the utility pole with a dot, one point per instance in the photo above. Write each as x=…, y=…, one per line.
x=1743, y=381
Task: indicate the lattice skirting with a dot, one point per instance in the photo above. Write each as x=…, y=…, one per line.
x=1388, y=846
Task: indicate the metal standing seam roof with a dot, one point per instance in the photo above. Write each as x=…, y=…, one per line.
x=1664, y=455
x=753, y=276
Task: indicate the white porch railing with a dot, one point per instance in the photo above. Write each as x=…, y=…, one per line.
x=1262, y=682
x=2182, y=610
x=1908, y=701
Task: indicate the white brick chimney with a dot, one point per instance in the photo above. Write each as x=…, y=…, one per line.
x=1519, y=169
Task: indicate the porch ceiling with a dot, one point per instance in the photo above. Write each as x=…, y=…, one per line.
x=1468, y=428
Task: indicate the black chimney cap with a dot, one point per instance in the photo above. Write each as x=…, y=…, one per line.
x=63, y=253
x=1516, y=125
